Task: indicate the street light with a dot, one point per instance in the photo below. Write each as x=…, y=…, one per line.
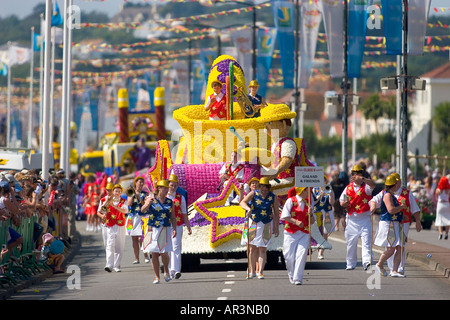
x=405, y=83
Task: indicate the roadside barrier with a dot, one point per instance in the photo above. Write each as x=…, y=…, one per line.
x=23, y=260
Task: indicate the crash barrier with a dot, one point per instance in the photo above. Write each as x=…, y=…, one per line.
x=22, y=262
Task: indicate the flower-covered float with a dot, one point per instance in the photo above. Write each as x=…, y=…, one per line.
x=202, y=151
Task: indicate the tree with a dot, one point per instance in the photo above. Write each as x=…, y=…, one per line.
x=373, y=108
x=441, y=123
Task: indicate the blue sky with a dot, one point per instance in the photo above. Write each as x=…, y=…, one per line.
x=22, y=8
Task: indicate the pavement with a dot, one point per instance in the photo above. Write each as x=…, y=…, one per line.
x=422, y=248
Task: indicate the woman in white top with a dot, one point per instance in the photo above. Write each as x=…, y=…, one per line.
x=443, y=206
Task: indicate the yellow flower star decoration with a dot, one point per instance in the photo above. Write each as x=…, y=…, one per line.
x=221, y=234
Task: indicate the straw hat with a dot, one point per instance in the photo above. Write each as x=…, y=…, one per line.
x=163, y=183
x=390, y=180
x=173, y=178
x=109, y=186
x=357, y=168
x=216, y=81
x=264, y=181
x=118, y=186
x=253, y=83
x=276, y=112
x=299, y=190
x=396, y=176
x=138, y=178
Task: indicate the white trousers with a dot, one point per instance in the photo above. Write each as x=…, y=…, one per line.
x=175, y=254
x=295, y=250
x=390, y=261
x=115, y=243
x=358, y=226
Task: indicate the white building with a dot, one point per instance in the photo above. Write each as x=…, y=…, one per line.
x=422, y=135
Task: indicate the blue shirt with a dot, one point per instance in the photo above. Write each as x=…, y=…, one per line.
x=385, y=215
x=159, y=213
x=262, y=208
x=323, y=203
x=135, y=208
x=256, y=100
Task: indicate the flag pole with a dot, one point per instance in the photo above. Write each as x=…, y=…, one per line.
x=41, y=80
x=46, y=93
x=65, y=79
x=8, y=115
x=52, y=91
x=30, y=111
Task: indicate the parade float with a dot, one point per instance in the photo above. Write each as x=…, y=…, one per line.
x=117, y=147
x=202, y=151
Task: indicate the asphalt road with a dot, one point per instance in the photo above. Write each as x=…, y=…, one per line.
x=225, y=280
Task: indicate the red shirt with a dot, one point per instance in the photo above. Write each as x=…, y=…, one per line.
x=218, y=108
x=298, y=214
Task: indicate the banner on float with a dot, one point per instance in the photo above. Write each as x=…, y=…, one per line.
x=311, y=18
x=357, y=29
x=333, y=18
x=417, y=25
x=284, y=18
x=265, y=45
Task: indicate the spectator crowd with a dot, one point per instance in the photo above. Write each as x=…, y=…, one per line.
x=50, y=205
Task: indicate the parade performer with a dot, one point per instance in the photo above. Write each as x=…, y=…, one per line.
x=160, y=218
x=262, y=210
x=180, y=211
x=257, y=100
x=355, y=198
x=391, y=217
x=246, y=188
x=404, y=196
x=233, y=168
x=113, y=213
x=297, y=215
x=443, y=206
x=108, y=193
x=136, y=209
x=216, y=102
x=323, y=210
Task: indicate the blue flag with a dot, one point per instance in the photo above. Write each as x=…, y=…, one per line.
x=392, y=20
x=265, y=45
x=3, y=69
x=284, y=16
x=198, y=80
x=357, y=27
x=37, y=42
x=57, y=19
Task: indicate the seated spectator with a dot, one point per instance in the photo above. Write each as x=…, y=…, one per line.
x=48, y=254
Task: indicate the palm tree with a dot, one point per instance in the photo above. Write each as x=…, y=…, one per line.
x=373, y=108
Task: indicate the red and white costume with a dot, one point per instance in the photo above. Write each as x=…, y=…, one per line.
x=284, y=147
x=358, y=223
x=114, y=228
x=218, y=110
x=296, y=239
x=180, y=209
